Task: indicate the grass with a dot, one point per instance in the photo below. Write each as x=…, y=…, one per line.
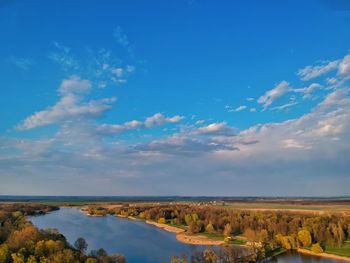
x=238, y=242
x=278, y=252
x=308, y=207
x=344, y=250
x=212, y=235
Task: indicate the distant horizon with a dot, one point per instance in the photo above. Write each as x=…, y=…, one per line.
x=171, y=196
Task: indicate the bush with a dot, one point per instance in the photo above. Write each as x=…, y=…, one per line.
x=161, y=220
x=316, y=248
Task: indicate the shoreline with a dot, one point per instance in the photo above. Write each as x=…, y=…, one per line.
x=323, y=255
x=184, y=237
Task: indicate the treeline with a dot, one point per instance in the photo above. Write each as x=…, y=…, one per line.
x=267, y=229
x=223, y=254
x=21, y=242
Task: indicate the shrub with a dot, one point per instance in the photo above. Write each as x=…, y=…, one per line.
x=316, y=248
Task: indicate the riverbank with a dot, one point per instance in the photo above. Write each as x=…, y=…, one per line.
x=184, y=237
x=86, y=212
x=324, y=255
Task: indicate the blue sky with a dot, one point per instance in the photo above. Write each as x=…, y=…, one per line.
x=175, y=97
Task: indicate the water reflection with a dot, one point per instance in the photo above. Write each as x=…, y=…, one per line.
x=138, y=241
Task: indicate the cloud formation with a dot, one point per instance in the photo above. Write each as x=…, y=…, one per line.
x=311, y=72
x=308, y=151
x=70, y=107
x=272, y=95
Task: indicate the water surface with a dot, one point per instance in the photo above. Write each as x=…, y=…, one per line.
x=137, y=241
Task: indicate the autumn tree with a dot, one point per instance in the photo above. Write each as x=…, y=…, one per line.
x=304, y=237
x=316, y=248
x=227, y=230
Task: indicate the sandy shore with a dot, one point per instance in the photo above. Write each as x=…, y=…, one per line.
x=166, y=227
x=324, y=255
x=86, y=212
x=186, y=238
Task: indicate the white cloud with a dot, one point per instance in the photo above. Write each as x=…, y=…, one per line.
x=157, y=119
x=311, y=72
x=308, y=90
x=220, y=128
x=238, y=109
x=70, y=106
x=75, y=85
x=309, y=152
x=285, y=106
x=272, y=95
x=344, y=66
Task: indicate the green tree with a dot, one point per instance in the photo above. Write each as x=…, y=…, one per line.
x=81, y=244
x=17, y=258
x=4, y=253
x=32, y=259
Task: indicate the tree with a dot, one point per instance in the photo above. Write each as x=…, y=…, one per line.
x=178, y=259
x=4, y=253
x=210, y=255
x=161, y=220
x=210, y=228
x=228, y=230
x=316, y=248
x=117, y=258
x=20, y=238
x=32, y=259
x=17, y=258
x=263, y=235
x=81, y=244
x=304, y=237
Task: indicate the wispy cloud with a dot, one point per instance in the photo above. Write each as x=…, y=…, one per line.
x=311, y=72
x=157, y=119
x=21, y=63
x=123, y=40
x=272, y=95
x=238, y=109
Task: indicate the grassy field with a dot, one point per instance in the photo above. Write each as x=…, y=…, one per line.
x=344, y=208
x=340, y=251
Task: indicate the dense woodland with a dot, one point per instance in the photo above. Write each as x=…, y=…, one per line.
x=268, y=230
x=21, y=242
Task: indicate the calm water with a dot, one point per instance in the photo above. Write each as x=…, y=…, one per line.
x=137, y=241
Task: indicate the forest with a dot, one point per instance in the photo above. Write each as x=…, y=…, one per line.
x=21, y=242
x=268, y=231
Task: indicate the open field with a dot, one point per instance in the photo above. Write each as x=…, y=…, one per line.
x=341, y=251
x=318, y=207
